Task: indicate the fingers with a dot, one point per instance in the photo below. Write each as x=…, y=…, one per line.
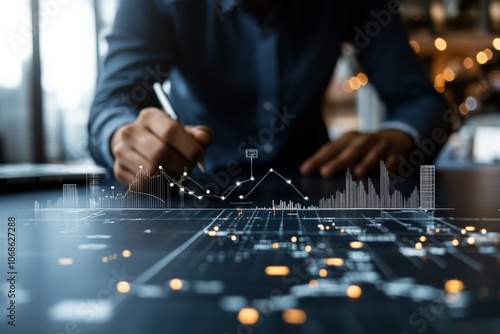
x=155, y=140
x=371, y=159
x=127, y=161
x=171, y=132
x=360, y=152
x=325, y=153
x=203, y=134
x=349, y=156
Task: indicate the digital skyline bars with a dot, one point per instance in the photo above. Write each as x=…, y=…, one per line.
x=356, y=196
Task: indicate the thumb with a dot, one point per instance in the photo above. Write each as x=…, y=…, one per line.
x=203, y=134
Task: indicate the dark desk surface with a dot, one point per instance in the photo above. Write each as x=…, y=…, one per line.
x=199, y=270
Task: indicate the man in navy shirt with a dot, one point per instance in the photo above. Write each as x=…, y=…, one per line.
x=252, y=74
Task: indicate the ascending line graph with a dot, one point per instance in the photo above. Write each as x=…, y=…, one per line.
x=150, y=191
x=155, y=191
x=206, y=193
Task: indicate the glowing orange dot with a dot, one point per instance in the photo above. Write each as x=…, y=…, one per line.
x=448, y=74
x=354, y=83
x=488, y=53
x=362, y=78
x=323, y=273
x=496, y=43
x=440, y=44
x=294, y=316
x=277, y=270
x=439, y=80
x=468, y=63
x=481, y=57
x=463, y=109
x=356, y=244
x=334, y=261
x=439, y=89
x=415, y=46
x=126, y=253
x=454, y=286
x=175, y=284
x=308, y=248
x=248, y=316
x=123, y=287
x=354, y=291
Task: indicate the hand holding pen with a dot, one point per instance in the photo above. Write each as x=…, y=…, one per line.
x=156, y=139
x=169, y=109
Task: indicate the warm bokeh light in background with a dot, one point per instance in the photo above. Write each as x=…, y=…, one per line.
x=468, y=63
x=496, y=43
x=126, y=253
x=248, y=316
x=448, y=74
x=334, y=262
x=277, y=270
x=454, y=286
x=362, y=78
x=481, y=58
x=175, y=284
x=440, y=44
x=123, y=287
x=356, y=244
x=294, y=316
x=415, y=46
x=353, y=291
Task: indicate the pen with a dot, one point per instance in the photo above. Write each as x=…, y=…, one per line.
x=169, y=109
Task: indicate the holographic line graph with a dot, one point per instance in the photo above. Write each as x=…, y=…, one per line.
x=201, y=192
x=158, y=188
x=155, y=191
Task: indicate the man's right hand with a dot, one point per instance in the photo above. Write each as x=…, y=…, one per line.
x=154, y=140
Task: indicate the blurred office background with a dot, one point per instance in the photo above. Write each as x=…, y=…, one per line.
x=50, y=51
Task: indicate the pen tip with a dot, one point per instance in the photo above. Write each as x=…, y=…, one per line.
x=201, y=167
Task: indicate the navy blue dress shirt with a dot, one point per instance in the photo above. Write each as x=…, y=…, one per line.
x=258, y=82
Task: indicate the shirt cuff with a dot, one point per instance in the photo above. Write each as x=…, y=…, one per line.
x=401, y=126
x=103, y=137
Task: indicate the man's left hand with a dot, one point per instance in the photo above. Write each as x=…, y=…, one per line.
x=361, y=152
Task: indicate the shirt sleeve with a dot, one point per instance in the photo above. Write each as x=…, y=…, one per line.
x=413, y=105
x=140, y=53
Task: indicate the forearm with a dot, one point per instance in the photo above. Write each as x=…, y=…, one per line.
x=139, y=55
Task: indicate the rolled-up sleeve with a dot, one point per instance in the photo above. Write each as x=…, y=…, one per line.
x=141, y=49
